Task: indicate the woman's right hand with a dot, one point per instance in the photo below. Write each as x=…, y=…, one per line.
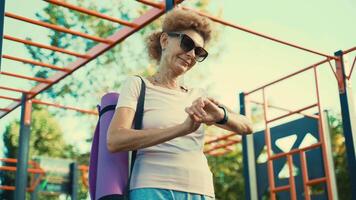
x=190, y=125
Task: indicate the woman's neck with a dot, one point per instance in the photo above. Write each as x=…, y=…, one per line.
x=166, y=78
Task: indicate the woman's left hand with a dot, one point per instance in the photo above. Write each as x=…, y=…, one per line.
x=205, y=110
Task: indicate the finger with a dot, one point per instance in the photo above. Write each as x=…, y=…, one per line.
x=196, y=118
x=199, y=102
x=198, y=111
x=192, y=115
x=214, y=100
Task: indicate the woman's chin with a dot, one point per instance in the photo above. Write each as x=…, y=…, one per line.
x=182, y=68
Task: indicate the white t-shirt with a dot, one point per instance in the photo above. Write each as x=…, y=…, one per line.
x=178, y=164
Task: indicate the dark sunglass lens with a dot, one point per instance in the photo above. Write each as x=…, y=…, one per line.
x=187, y=43
x=200, y=53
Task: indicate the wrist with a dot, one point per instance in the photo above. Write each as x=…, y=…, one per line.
x=183, y=129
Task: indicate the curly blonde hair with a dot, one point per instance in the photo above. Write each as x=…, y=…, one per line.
x=178, y=20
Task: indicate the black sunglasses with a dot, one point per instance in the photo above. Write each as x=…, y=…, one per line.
x=187, y=44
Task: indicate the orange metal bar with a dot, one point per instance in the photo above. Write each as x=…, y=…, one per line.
x=258, y=34
x=14, y=160
x=35, y=170
x=36, y=63
x=30, y=170
x=284, y=109
x=293, y=193
x=6, y=187
x=352, y=69
x=58, y=28
x=332, y=69
x=349, y=50
x=285, y=77
x=219, y=153
x=220, y=138
x=281, y=188
x=10, y=98
x=37, y=101
x=291, y=152
x=91, y=12
x=42, y=80
x=53, y=48
x=35, y=182
x=322, y=139
x=15, y=90
x=215, y=147
x=93, y=112
x=291, y=113
x=269, y=148
x=317, y=181
x=305, y=177
x=84, y=169
x=153, y=4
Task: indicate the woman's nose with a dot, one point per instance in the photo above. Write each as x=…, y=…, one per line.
x=191, y=53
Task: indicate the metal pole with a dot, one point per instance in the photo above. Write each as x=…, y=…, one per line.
x=74, y=181
x=248, y=158
x=2, y=14
x=348, y=119
x=169, y=5
x=23, y=149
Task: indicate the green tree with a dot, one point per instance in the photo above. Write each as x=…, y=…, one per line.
x=45, y=140
x=339, y=156
x=228, y=174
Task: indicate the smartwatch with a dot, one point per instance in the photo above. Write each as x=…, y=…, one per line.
x=224, y=120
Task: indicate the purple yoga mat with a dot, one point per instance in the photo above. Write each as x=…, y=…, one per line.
x=111, y=168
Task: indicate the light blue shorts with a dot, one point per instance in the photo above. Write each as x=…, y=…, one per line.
x=164, y=194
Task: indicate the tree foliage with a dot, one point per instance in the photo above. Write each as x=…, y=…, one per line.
x=45, y=140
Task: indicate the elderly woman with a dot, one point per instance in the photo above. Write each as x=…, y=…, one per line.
x=170, y=162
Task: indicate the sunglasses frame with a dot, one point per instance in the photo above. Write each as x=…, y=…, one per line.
x=181, y=35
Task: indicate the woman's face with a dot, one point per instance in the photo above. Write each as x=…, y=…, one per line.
x=177, y=59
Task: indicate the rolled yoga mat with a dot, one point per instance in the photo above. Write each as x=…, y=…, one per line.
x=108, y=172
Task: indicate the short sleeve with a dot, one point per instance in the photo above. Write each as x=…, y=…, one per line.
x=130, y=91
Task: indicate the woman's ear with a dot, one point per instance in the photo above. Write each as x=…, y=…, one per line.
x=163, y=40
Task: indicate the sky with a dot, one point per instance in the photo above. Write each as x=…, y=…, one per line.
x=243, y=62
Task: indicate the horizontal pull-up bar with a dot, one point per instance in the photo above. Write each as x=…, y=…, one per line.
x=92, y=112
x=41, y=80
x=290, y=75
x=16, y=90
x=258, y=34
x=284, y=109
x=91, y=12
x=53, y=48
x=37, y=101
x=153, y=4
x=224, y=137
x=215, y=147
x=58, y=28
x=36, y=63
x=293, y=112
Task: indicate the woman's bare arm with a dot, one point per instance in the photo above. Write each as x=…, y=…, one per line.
x=206, y=110
x=122, y=138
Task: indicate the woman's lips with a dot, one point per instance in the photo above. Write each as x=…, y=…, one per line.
x=185, y=62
